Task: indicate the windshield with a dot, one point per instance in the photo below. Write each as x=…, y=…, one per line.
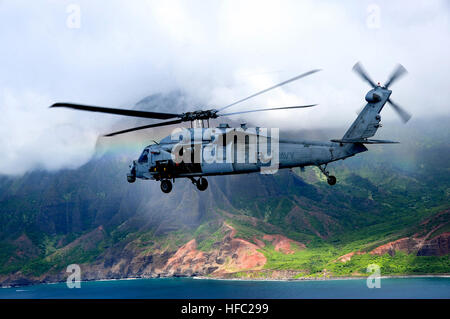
x=144, y=157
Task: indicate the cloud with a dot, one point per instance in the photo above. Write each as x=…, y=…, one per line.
x=216, y=51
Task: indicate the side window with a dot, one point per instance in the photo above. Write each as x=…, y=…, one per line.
x=144, y=157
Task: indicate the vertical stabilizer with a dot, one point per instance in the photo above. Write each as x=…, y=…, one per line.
x=368, y=120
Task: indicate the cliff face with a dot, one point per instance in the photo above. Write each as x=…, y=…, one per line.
x=407, y=245
x=227, y=256
x=429, y=240
x=437, y=246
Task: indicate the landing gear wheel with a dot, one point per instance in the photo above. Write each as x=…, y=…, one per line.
x=331, y=180
x=202, y=184
x=166, y=186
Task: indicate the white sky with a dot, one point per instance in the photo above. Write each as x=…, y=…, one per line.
x=216, y=51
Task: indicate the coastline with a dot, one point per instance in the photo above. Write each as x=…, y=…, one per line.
x=322, y=278
x=240, y=279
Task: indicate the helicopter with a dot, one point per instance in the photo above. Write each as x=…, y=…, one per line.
x=201, y=151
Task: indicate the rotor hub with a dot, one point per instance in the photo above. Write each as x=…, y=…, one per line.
x=199, y=115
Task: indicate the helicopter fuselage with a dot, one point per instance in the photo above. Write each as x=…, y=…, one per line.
x=157, y=161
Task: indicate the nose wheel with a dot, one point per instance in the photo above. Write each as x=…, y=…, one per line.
x=330, y=178
x=166, y=186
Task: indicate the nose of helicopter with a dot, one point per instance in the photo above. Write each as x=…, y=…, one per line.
x=131, y=175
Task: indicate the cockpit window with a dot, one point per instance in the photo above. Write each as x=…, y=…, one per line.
x=144, y=157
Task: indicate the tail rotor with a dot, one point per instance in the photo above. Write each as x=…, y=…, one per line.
x=404, y=115
x=358, y=69
x=398, y=72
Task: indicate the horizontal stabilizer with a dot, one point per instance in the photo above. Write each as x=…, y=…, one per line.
x=364, y=141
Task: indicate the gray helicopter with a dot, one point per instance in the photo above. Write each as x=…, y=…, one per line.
x=201, y=151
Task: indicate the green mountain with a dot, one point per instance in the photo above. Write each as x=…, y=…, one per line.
x=390, y=207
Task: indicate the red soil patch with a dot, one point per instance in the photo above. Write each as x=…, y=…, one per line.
x=258, y=242
x=348, y=257
x=245, y=255
x=187, y=257
x=283, y=243
x=234, y=254
x=248, y=256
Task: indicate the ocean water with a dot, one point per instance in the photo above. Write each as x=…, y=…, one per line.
x=180, y=288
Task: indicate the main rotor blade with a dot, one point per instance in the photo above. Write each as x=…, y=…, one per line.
x=145, y=114
x=144, y=127
x=358, y=68
x=270, y=109
x=405, y=116
x=398, y=73
x=271, y=88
